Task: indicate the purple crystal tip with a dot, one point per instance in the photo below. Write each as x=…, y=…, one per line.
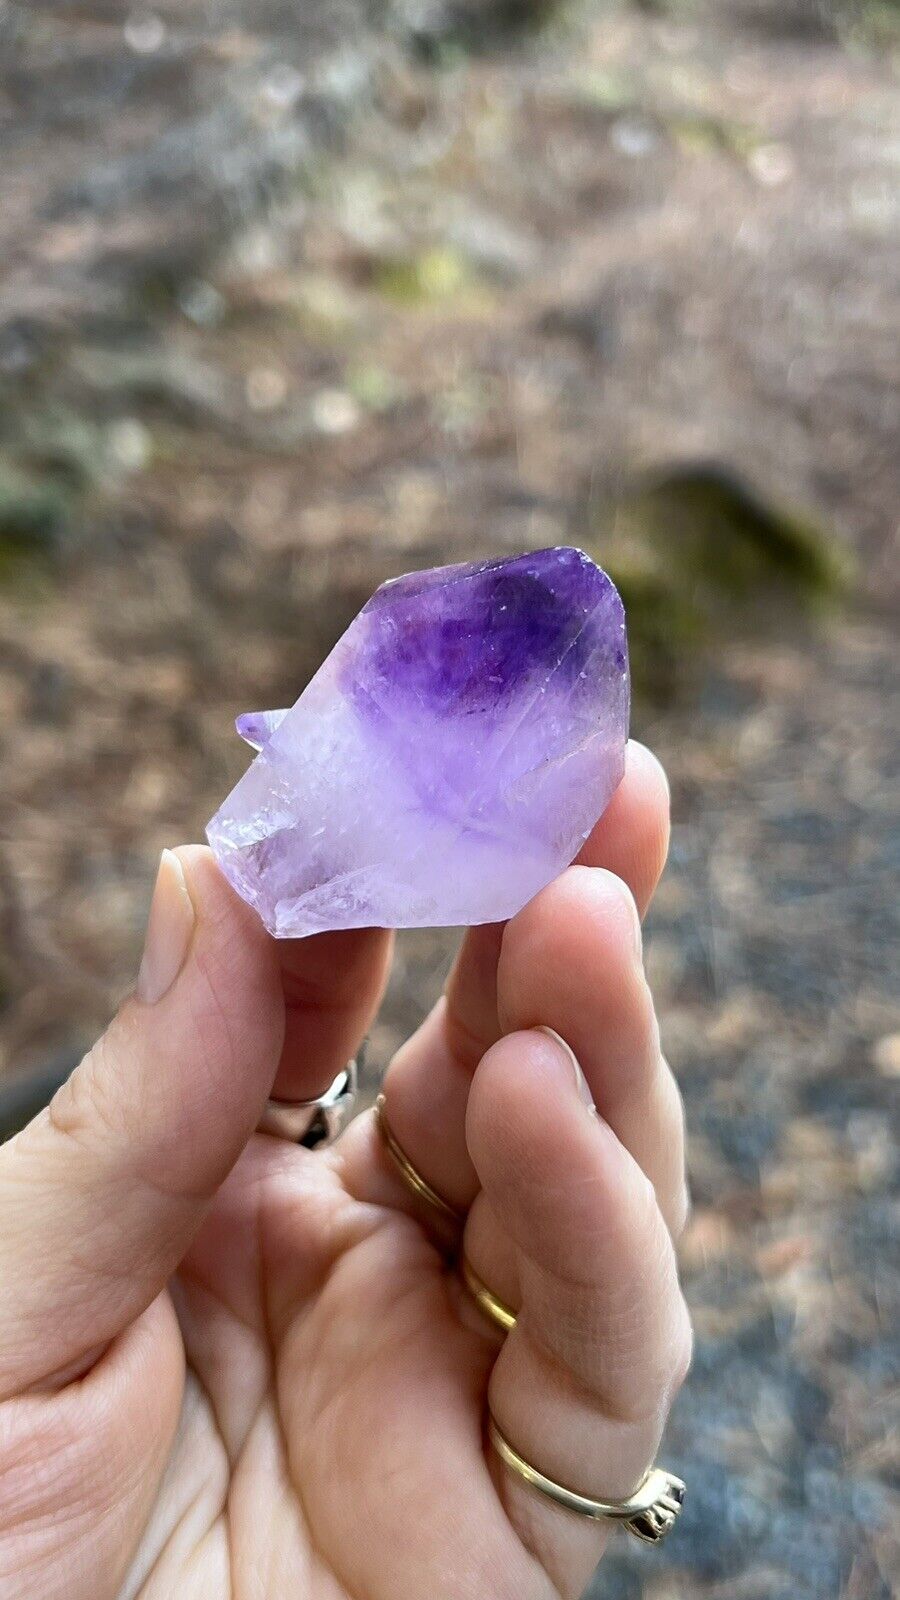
x=447, y=760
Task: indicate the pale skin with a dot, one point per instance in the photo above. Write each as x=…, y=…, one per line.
x=232, y=1369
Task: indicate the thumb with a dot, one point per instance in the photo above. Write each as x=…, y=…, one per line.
x=102, y=1193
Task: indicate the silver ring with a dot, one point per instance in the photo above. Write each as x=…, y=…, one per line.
x=649, y=1512
x=314, y=1123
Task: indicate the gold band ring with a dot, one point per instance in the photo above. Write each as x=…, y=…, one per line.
x=649, y=1512
x=411, y=1176
x=486, y=1301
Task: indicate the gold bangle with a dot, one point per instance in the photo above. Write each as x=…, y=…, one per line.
x=486, y=1301
x=413, y=1179
x=649, y=1512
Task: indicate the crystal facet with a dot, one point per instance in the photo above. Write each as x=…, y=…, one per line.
x=448, y=758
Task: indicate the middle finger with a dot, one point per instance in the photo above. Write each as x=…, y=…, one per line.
x=427, y=1084
x=571, y=961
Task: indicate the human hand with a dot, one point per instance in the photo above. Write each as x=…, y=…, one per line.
x=232, y=1367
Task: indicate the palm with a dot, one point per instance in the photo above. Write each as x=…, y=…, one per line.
x=236, y=1370
x=338, y=1328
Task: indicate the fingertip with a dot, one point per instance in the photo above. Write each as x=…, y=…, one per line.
x=551, y=1167
x=519, y=1063
x=650, y=821
x=631, y=838
x=523, y=1086
x=231, y=942
x=649, y=781
x=223, y=1016
x=651, y=797
x=199, y=865
x=214, y=899
x=643, y=767
x=585, y=922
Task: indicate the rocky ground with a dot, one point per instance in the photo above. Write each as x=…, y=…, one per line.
x=293, y=298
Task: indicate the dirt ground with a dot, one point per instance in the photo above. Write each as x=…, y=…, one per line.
x=292, y=299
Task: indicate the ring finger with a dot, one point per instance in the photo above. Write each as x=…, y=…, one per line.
x=571, y=961
x=427, y=1084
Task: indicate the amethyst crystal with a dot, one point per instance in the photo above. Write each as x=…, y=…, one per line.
x=448, y=758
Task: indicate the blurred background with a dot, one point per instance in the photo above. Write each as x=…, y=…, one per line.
x=296, y=296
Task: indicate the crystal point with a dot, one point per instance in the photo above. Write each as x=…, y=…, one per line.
x=447, y=760
x=256, y=727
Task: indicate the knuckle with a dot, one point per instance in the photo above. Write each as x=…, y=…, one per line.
x=84, y=1111
x=648, y=1219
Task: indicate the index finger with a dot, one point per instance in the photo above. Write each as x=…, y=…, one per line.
x=427, y=1084
x=631, y=840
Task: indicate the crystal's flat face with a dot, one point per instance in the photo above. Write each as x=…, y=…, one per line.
x=447, y=760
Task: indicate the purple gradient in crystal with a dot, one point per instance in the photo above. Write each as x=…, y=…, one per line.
x=448, y=758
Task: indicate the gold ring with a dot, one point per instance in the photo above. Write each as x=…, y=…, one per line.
x=649, y=1512
x=485, y=1299
x=413, y=1179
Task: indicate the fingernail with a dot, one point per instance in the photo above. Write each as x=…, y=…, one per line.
x=581, y=1082
x=170, y=927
